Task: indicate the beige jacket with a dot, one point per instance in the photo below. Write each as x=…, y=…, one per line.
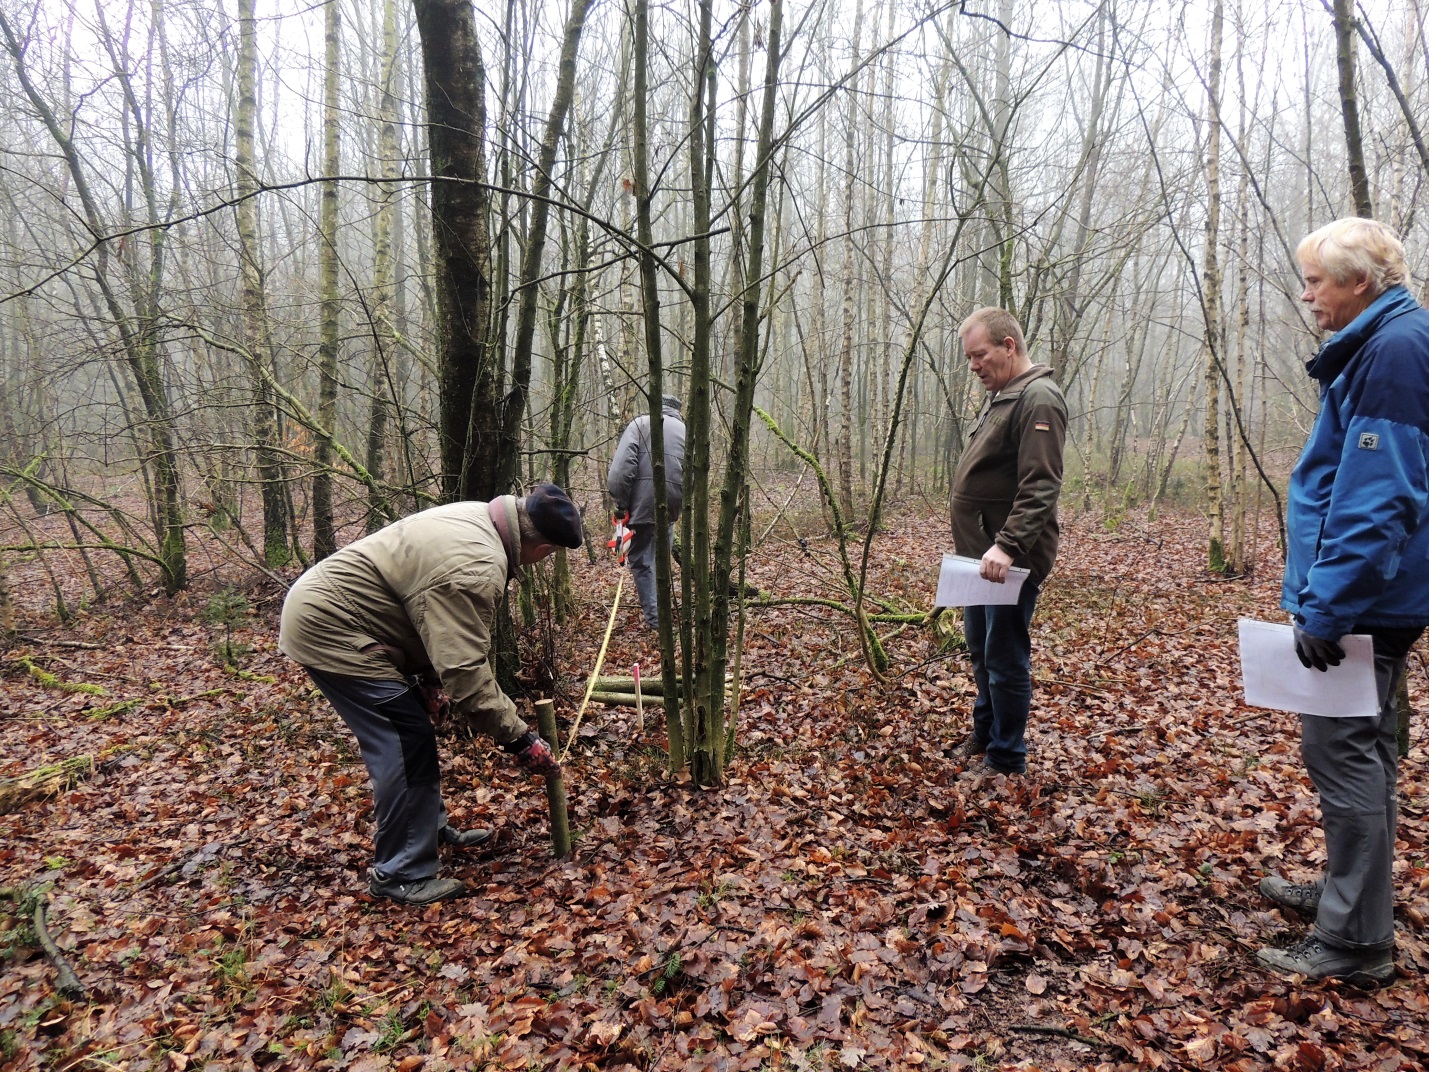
x=425, y=589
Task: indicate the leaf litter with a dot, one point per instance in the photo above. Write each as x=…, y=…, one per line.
x=844, y=902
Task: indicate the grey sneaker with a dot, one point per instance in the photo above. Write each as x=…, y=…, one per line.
x=1301, y=896
x=463, y=839
x=419, y=891
x=1314, y=959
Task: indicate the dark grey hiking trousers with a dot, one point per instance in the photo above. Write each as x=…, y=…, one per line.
x=399, y=747
x=1354, y=763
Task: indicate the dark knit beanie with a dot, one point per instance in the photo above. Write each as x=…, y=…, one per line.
x=554, y=515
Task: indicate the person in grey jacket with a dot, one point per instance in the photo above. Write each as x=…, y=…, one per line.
x=631, y=483
x=395, y=629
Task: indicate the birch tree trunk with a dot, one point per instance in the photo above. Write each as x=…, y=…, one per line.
x=330, y=308
x=1211, y=279
x=384, y=266
x=263, y=419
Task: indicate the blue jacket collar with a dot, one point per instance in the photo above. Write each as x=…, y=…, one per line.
x=1340, y=347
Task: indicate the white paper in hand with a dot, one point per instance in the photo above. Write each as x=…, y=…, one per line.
x=1275, y=678
x=960, y=585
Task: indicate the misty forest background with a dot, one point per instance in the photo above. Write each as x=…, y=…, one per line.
x=287, y=272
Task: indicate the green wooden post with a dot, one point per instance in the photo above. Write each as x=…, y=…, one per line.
x=555, y=783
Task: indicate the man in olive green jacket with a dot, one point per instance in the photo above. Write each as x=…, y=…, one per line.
x=395, y=629
x=1004, y=512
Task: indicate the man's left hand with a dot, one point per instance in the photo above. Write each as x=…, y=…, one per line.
x=994, y=565
x=1317, y=653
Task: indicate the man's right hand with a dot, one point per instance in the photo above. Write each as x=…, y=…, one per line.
x=1317, y=653
x=534, y=754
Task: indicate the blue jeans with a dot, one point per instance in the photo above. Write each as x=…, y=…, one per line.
x=1000, y=643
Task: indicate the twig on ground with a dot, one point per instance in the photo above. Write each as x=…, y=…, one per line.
x=1060, y=1032
x=66, y=982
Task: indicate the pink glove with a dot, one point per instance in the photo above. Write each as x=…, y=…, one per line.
x=534, y=754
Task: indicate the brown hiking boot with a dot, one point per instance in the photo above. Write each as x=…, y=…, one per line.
x=965, y=750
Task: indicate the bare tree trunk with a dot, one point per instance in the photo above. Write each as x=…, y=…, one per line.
x=384, y=268
x=708, y=767
x=514, y=404
x=324, y=533
x=469, y=373
x=650, y=306
x=277, y=550
x=1211, y=346
x=1343, y=12
x=843, y=447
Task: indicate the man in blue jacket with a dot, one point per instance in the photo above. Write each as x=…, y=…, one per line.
x=1358, y=562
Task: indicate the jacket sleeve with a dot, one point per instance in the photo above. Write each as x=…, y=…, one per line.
x=1041, y=428
x=1380, y=492
x=454, y=620
x=625, y=467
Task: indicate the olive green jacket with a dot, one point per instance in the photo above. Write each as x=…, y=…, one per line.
x=1010, y=474
x=416, y=596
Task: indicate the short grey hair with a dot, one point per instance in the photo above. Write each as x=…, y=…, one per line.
x=1357, y=248
x=998, y=323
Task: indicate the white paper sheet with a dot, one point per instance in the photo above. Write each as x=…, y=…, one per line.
x=960, y=586
x=1274, y=677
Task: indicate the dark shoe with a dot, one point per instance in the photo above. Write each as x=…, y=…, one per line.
x=420, y=891
x=1314, y=959
x=1303, y=897
x=967, y=749
x=464, y=839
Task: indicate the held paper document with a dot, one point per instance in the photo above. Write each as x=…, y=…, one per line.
x=960, y=586
x=1275, y=678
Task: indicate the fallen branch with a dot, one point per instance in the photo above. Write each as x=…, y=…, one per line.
x=1061, y=1032
x=625, y=699
x=66, y=982
x=50, y=681
x=43, y=782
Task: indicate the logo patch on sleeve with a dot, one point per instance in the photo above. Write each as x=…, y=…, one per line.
x=1369, y=441
x=1042, y=426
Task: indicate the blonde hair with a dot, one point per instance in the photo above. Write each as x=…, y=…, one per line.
x=998, y=323
x=1356, y=248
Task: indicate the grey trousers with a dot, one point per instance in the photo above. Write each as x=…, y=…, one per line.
x=399, y=747
x=1354, y=765
x=641, y=558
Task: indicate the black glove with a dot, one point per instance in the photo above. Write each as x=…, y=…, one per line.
x=534, y=754
x=1317, y=653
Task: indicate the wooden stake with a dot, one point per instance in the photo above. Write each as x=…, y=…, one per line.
x=555, y=783
x=639, y=705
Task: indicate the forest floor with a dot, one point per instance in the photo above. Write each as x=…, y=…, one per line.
x=844, y=902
